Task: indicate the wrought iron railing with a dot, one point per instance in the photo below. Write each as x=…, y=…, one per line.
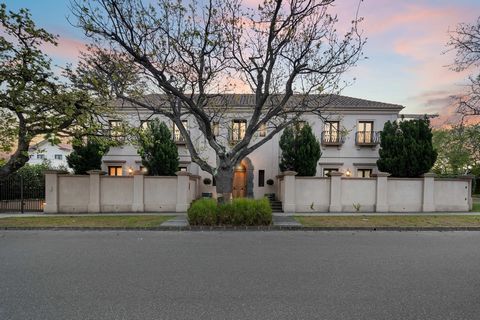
x=333, y=138
x=367, y=138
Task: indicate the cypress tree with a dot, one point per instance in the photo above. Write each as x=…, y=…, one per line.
x=86, y=156
x=158, y=151
x=406, y=148
x=300, y=151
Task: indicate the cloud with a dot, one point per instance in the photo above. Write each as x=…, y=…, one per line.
x=67, y=48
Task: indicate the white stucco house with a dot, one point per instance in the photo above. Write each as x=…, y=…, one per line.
x=54, y=154
x=348, y=130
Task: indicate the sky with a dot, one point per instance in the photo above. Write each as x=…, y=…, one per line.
x=407, y=58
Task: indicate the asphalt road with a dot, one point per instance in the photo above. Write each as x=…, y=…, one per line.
x=239, y=275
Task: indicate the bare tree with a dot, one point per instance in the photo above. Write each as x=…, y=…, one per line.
x=465, y=40
x=288, y=53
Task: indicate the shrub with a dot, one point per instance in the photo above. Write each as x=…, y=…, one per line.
x=203, y=212
x=239, y=212
x=87, y=156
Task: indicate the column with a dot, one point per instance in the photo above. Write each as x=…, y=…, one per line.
x=51, y=191
x=94, y=199
x=183, y=183
x=138, y=185
x=289, y=191
x=335, y=192
x=381, y=204
x=428, y=192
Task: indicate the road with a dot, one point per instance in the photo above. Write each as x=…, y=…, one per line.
x=239, y=275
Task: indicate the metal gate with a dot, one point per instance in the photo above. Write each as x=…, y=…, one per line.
x=22, y=194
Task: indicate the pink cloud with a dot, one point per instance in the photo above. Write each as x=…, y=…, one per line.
x=67, y=48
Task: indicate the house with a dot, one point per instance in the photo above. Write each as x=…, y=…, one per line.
x=54, y=154
x=348, y=130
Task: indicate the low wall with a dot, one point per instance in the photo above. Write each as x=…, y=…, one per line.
x=378, y=194
x=98, y=193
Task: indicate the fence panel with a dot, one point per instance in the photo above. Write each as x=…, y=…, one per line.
x=22, y=194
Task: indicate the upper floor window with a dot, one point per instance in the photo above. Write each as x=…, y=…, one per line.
x=144, y=124
x=216, y=129
x=301, y=124
x=116, y=129
x=239, y=126
x=262, y=131
x=331, y=131
x=365, y=132
x=40, y=156
x=58, y=157
x=177, y=135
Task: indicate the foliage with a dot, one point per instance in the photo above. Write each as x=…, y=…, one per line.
x=32, y=100
x=33, y=176
x=465, y=41
x=300, y=151
x=239, y=212
x=158, y=150
x=406, y=148
x=277, y=49
x=87, y=155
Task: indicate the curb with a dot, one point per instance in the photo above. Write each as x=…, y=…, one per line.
x=242, y=228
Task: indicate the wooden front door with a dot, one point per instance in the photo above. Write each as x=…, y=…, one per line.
x=240, y=184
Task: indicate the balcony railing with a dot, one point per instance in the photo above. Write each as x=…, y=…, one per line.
x=367, y=138
x=332, y=138
x=178, y=138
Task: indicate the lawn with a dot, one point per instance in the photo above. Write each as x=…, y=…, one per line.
x=390, y=221
x=476, y=207
x=145, y=221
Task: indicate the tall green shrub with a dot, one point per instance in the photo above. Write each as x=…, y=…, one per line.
x=406, y=148
x=158, y=151
x=300, y=151
x=87, y=155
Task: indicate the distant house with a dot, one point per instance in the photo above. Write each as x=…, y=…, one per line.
x=55, y=155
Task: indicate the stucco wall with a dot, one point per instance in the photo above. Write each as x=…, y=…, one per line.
x=116, y=194
x=160, y=194
x=405, y=195
x=450, y=195
x=73, y=192
x=359, y=192
x=313, y=194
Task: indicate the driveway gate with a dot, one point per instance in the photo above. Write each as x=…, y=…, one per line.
x=22, y=194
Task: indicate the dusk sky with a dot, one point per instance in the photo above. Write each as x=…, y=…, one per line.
x=406, y=45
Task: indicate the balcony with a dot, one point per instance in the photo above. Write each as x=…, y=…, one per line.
x=367, y=138
x=178, y=138
x=332, y=138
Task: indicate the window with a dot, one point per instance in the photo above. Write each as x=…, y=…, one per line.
x=327, y=171
x=58, y=157
x=300, y=125
x=262, y=130
x=116, y=129
x=144, y=124
x=214, y=182
x=261, y=178
x=364, y=173
x=182, y=168
x=115, y=171
x=216, y=129
x=177, y=135
x=238, y=129
x=365, y=132
x=331, y=131
x=40, y=156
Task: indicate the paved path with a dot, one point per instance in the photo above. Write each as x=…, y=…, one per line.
x=239, y=275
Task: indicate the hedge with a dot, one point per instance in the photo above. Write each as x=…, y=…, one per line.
x=240, y=212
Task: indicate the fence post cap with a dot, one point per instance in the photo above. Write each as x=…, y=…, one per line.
x=182, y=173
x=289, y=173
x=99, y=172
x=335, y=174
x=55, y=171
x=381, y=174
x=428, y=175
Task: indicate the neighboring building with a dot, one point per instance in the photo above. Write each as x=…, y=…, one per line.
x=55, y=155
x=348, y=132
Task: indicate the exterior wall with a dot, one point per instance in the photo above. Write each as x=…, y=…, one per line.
x=96, y=193
x=49, y=151
x=380, y=194
x=346, y=157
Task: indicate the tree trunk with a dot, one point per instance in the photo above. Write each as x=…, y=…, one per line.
x=17, y=160
x=224, y=183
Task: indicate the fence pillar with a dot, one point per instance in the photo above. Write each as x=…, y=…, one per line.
x=289, y=192
x=51, y=191
x=94, y=199
x=183, y=184
x=335, y=192
x=138, y=186
x=381, y=202
x=428, y=192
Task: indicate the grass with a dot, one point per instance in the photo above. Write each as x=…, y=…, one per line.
x=86, y=221
x=476, y=207
x=390, y=221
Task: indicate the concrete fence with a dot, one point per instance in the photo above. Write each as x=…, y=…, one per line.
x=377, y=194
x=138, y=193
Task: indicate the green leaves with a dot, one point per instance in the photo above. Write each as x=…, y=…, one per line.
x=158, y=151
x=406, y=148
x=87, y=156
x=300, y=151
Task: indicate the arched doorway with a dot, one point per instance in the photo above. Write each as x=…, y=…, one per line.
x=240, y=181
x=243, y=179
